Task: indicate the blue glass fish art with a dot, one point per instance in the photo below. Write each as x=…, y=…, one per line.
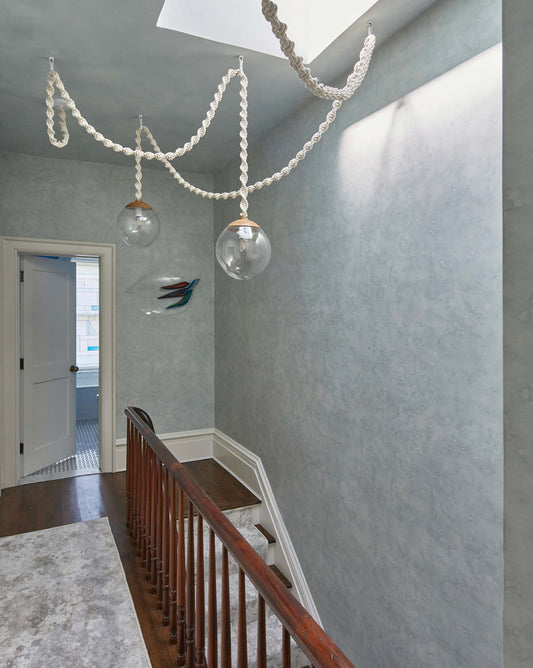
x=182, y=289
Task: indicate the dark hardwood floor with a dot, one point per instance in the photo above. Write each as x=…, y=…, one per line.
x=54, y=503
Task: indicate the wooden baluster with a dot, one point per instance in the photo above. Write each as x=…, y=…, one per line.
x=148, y=513
x=128, y=476
x=138, y=508
x=189, y=605
x=242, y=641
x=132, y=479
x=144, y=482
x=146, y=490
x=261, y=633
x=154, y=497
x=159, y=532
x=225, y=623
x=286, y=649
x=199, y=639
x=212, y=648
x=166, y=546
x=172, y=563
x=181, y=580
x=135, y=491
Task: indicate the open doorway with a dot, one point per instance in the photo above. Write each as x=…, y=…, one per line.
x=11, y=249
x=60, y=344
x=88, y=362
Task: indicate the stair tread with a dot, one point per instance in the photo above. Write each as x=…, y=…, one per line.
x=281, y=576
x=223, y=488
x=266, y=533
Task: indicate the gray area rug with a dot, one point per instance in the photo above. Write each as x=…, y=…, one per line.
x=64, y=601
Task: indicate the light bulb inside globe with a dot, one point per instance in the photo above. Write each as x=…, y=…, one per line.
x=243, y=249
x=138, y=224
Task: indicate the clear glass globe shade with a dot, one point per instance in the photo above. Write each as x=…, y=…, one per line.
x=243, y=249
x=138, y=225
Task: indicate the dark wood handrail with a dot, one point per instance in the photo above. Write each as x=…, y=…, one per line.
x=143, y=415
x=311, y=638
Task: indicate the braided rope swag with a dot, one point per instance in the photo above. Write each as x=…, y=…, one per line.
x=336, y=95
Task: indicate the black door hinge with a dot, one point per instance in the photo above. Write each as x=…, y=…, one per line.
x=21, y=276
x=21, y=363
x=22, y=448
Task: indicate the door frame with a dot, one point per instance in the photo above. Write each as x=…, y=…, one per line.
x=11, y=249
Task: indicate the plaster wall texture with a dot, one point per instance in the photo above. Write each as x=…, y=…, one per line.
x=518, y=331
x=166, y=364
x=364, y=365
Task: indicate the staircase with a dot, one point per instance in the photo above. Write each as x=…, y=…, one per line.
x=210, y=564
x=222, y=486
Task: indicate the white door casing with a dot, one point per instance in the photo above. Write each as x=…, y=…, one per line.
x=48, y=328
x=10, y=250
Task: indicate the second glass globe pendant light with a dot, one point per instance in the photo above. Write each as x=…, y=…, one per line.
x=243, y=249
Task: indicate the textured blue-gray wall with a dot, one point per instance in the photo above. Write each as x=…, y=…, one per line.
x=365, y=364
x=518, y=330
x=165, y=365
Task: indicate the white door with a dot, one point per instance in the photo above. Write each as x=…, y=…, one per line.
x=48, y=348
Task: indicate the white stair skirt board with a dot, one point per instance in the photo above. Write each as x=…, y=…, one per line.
x=248, y=468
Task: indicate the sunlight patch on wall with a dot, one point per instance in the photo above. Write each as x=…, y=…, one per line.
x=430, y=125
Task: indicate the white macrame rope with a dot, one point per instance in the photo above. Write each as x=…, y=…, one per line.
x=258, y=185
x=243, y=134
x=58, y=143
x=354, y=80
x=270, y=10
x=164, y=158
x=54, y=80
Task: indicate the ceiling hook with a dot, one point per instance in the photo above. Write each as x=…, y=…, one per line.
x=241, y=65
x=51, y=60
x=141, y=121
x=369, y=26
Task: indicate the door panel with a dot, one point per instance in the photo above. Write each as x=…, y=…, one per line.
x=49, y=348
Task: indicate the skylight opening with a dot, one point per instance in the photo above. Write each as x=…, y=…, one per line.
x=241, y=22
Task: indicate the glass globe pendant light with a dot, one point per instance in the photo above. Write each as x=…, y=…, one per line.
x=243, y=249
x=137, y=223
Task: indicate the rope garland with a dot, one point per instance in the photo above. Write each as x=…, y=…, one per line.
x=337, y=95
x=54, y=81
x=355, y=79
x=162, y=157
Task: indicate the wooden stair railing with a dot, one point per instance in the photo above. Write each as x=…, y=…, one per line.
x=162, y=498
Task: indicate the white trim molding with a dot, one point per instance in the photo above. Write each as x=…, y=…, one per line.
x=11, y=249
x=248, y=467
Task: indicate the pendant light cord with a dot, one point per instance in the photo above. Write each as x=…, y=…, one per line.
x=243, y=134
x=138, y=168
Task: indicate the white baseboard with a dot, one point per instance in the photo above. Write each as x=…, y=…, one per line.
x=247, y=467
x=186, y=446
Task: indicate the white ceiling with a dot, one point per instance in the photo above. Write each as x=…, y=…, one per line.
x=117, y=64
